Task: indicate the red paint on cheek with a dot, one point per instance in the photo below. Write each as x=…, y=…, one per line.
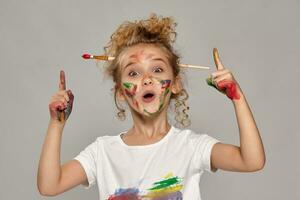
x=131, y=91
x=127, y=93
x=230, y=88
x=165, y=83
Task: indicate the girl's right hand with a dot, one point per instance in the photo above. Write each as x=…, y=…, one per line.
x=61, y=103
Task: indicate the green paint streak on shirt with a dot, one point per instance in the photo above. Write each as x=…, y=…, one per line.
x=165, y=183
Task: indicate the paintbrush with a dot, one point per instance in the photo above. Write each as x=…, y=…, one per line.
x=109, y=58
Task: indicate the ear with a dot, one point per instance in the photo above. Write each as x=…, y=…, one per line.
x=119, y=93
x=177, y=85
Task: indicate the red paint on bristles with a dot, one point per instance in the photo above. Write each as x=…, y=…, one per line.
x=86, y=56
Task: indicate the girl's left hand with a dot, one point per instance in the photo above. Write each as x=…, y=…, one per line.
x=223, y=79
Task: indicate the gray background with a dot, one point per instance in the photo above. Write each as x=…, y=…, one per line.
x=257, y=40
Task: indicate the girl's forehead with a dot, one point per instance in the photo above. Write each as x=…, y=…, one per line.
x=141, y=51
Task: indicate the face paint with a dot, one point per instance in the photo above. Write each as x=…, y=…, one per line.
x=130, y=89
x=161, y=88
x=165, y=83
x=165, y=89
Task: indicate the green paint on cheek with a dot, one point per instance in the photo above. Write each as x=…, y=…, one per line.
x=130, y=89
x=149, y=113
x=127, y=85
x=160, y=106
x=167, y=91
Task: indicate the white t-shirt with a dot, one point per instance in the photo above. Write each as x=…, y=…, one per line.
x=166, y=170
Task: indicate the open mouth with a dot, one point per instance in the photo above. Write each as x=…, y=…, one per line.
x=148, y=97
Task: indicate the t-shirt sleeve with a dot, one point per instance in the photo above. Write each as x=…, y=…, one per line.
x=204, y=145
x=88, y=160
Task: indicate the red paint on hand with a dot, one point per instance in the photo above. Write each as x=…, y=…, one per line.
x=69, y=107
x=86, y=56
x=56, y=110
x=230, y=88
x=60, y=111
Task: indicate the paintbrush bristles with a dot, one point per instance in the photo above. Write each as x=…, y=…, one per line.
x=110, y=58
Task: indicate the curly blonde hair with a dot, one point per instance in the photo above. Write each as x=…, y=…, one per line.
x=158, y=31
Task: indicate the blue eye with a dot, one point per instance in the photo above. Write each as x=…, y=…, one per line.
x=132, y=73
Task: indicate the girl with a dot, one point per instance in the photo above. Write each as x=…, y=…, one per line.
x=153, y=159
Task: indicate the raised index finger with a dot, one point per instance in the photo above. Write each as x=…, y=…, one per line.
x=217, y=60
x=62, y=81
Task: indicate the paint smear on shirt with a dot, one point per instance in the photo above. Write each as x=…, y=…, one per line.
x=166, y=189
x=126, y=194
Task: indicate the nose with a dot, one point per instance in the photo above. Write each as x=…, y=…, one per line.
x=147, y=81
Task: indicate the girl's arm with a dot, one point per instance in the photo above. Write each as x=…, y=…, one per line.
x=249, y=156
x=49, y=164
x=52, y=178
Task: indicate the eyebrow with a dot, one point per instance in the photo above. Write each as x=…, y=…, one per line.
x=160, y=59
x=154, y=59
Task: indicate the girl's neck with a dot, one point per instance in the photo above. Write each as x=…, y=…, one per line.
x=150, y=128
x=150, y=131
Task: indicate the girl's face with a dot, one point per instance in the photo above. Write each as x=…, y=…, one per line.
x=147, y=79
